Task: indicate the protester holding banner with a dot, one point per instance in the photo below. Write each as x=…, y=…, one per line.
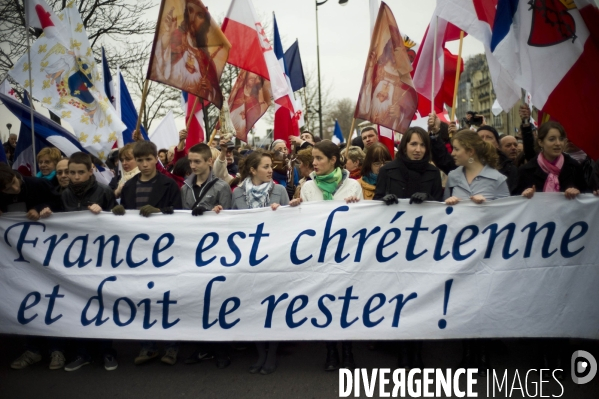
x=47, y=159
x=203, y=191
x=476, y=177
x=487, y=133
x=551, y=170
x=148, y=191
x=331, y=182
x=377, y=156
x=354, y=162
x=258, y=190
x=25, y=194
x=84, y=192
x=410, y=174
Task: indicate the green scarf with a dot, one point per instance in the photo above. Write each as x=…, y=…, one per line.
x=329, y=183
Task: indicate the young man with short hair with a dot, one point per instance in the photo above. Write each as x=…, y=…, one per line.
x=148, y=191
x=84, y=192
x=369, y=137
x=202, y=190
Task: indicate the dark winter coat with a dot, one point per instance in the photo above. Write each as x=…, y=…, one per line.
x=36, y=193
x=571, y=176
x=165, y=193
x=98, y=194
x=392, y=181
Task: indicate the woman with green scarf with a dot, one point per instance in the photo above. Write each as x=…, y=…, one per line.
x=331, y=182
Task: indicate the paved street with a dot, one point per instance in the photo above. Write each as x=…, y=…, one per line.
x=299, y=374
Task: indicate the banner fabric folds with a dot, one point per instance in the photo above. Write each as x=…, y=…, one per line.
x=321, y=271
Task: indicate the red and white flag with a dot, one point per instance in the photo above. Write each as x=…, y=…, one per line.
x=251, y=50
x=445, y=66
x=40, y=15
x=195, y=133
x=387, y=137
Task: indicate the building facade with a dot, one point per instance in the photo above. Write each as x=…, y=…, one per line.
x=475, y=93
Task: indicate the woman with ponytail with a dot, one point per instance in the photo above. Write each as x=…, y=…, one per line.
x=476, y=177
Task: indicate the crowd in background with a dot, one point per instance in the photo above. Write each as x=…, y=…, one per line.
x=444, y=164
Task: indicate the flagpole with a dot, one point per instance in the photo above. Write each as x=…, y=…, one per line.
x=305, y=107
x=193, y=111
x=30, y=89
x=457, y=78
x=144, y=94
x=434, y=62
x=353, y=122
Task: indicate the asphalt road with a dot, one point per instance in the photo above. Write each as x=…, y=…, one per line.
x=299, y=374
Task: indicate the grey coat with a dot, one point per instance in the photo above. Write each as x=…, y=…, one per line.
x=218, y=194
x=489, y=183
x=278, y=195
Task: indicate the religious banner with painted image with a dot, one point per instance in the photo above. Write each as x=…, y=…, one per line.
x=190, y=50
x=387, y=95
x=250, y=98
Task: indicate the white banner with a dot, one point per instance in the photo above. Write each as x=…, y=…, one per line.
x=327, y=270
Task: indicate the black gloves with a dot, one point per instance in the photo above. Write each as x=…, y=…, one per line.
x=169, y=210
x=199, y=211
x=390, y=199
x=147, y=210
x=118, y=210
x=418, y=198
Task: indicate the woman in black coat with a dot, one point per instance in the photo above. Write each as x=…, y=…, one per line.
x=551, y=170
x=410, y=175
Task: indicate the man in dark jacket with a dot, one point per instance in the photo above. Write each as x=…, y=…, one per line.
x=149, y=191
x=25, y=194
x=84, y=192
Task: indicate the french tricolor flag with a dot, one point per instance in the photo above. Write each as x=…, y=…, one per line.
x=549, y=48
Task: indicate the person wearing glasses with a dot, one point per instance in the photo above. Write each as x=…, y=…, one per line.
x=377, y=156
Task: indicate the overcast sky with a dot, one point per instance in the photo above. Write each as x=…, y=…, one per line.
x=344, y=39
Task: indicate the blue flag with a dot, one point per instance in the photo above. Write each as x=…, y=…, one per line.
x=3, y=155
x=278, y=47
x=338, y=134
x=24, y=156
x=293, y=62
x=129, y=114
x=107, y=79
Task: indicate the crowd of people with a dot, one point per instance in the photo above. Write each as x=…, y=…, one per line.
x=444, y=164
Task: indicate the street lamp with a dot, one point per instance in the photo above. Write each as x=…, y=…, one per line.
x=319, y=3
x=9, y=125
